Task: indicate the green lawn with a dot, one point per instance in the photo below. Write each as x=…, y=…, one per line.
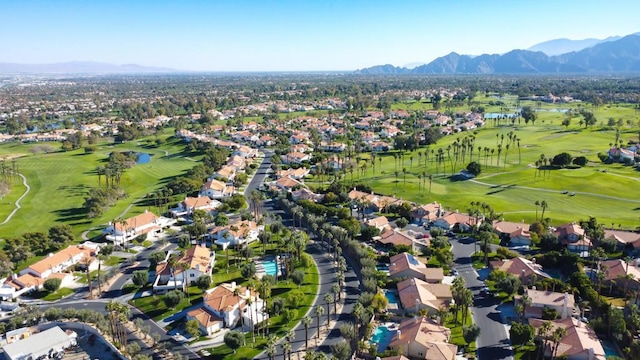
x=608, y=192
x=456, y=331
x=277, y=324
x=59, y=182
x=156, y=308
x=47, y=296
x=113, y=261
x=526, y=352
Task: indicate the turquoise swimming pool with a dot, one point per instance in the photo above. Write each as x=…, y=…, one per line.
x=270, y=267
x=392, y=297
x=382, y=336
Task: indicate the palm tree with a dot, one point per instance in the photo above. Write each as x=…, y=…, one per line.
x=319, y=311
x=558, y=334
x=525, y=300
x=335, y=290
x=328, y=298
x=286, y=349
x=306, y=321
x=544, y=206
x=543, y=334
x=271, y=347
x=537, y=203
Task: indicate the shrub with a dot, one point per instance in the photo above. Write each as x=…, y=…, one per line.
x=52, y=285
x=140, y=278
x=402, y=222
x=173, y=298
x=549, y=313
x=580, y=161
x=474, y=168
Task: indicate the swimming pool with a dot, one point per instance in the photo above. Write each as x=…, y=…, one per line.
x=391, y=296
x=382, y=336
x=270, y=267
x=609, y=349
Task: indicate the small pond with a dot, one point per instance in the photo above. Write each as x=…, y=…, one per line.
x=143, y=158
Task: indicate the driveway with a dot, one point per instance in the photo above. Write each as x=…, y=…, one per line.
x=493, y=342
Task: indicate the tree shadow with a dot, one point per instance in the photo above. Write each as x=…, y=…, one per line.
x=71, y=214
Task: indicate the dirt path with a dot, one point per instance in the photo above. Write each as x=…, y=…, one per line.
x=24, y=182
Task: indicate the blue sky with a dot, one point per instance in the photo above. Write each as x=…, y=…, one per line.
x=228, y=35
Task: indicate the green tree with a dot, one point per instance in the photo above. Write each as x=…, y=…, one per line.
x=140, y=278
x=521, y=334
x=173, y=298
x=61, y=235
x=470, y=333
x=298, y=277
x=192, y=327
x=341, y=350
x=221, y=220
x=52, y=285
x=234, y=339
x=474, y=168
x=203, y=282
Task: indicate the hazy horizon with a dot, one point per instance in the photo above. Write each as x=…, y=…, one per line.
x=293, y=36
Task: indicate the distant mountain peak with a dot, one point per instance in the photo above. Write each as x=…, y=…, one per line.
x=563, y=45
x=621, y=55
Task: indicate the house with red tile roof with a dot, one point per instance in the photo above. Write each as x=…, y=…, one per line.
x=528, y=271
x=405, y=265
x=129, y=229
x=573, y=237
x=394, y=238
x=579, y=343
x=190, y=204
x=456, y=220
x=563, y=303
x=55, y=265
x=295, y=158
x=625, y=240
x=425, y=214
x=241, y=232
x=179, y=270
x=224, y=306
x=416, y=295
x=423, y=338
x=621, y=273
x=216, y=189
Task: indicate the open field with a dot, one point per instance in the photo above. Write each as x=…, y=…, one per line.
x=59, y=182
x=608, y=192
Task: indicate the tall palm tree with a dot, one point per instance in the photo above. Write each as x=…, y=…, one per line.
x=327, y=299
x=335, y=290
x=537, y=203
x=543, y=333
x=318, y=312
x=544, y=205
x=558, y=334
x=286, y=350
x=271, y=347
x=306, y=321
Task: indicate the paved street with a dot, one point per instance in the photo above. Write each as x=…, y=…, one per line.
x=493, y=343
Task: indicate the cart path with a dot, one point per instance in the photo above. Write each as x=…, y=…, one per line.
x=24, y=182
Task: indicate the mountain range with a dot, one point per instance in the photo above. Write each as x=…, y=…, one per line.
x=563, y=46
x=79, y=67
x=607, y=56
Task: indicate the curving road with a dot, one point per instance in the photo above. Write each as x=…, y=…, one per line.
x=493, y=342
x=24, y=182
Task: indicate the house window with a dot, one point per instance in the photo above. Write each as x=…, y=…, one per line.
x=192, y=275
